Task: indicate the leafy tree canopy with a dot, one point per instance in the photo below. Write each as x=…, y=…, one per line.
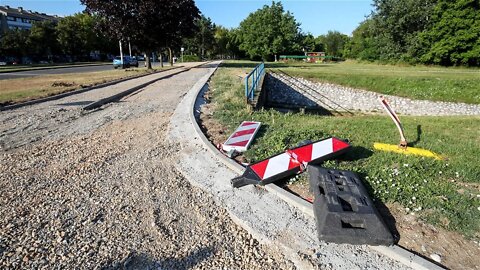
x=76, y=34
x=149, y=23
x=334, y=43
x=269, y=31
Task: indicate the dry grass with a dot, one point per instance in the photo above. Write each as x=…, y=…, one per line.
x=24, y=89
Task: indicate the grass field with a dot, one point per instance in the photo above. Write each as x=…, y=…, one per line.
x=444, y=193
x=416, y=82
x=23, y=89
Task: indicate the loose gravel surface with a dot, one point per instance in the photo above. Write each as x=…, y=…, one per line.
x=294, y=91
x=100, y=190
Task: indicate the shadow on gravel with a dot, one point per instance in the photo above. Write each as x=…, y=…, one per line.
x=145, y=261
x=78, y=103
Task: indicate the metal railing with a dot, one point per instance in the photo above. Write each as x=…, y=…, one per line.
x=252, y=80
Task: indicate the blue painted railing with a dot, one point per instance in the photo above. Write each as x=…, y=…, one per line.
x=253, y=79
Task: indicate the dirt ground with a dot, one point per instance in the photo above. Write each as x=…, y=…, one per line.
x=454, y=250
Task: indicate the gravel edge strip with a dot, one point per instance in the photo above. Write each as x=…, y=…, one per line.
x=394, y=252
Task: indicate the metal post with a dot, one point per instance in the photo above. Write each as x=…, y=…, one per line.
x=121, y=52
x=129, y=48
x=246, y=87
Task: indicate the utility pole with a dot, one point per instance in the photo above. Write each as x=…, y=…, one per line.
x=121, y=52
x=129, y=47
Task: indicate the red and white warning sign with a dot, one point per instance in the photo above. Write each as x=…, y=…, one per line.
x=243, y=136
x=290, y=162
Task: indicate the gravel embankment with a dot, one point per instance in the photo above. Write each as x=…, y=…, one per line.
x=304, y=93
x=100, y=190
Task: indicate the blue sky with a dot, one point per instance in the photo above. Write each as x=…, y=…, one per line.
x=315, y=16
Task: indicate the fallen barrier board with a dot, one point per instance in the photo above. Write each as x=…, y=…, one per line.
x=344, y=213
x=242, y=137
x=290, y=162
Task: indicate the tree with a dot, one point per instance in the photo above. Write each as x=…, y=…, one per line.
x=205, y=35
x=454, y=38
x=269, y=31
x=43, y=39
x=334, y=42
x=312, y=44
x=76, y=34
x=202, y=43
x=150, y=24
x=362, y=44
x=233, y=44
x=14, y=43
x=221, y=41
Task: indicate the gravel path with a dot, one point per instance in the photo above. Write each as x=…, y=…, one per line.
x=100, y=190
x=295, y=91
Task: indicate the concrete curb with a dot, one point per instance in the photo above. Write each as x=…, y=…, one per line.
x=54, y=67
x=394, y=252
x=74, y=92
x=127, y=92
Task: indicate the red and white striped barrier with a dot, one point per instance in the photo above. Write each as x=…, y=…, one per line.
x=243, y=136
x=291, y=162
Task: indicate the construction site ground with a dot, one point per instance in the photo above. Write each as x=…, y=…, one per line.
x=456, y=251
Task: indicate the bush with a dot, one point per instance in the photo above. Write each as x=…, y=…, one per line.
x=191, y=58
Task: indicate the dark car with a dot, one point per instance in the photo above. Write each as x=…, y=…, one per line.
x=127, y=62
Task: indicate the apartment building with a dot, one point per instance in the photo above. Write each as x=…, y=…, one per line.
x=11, y=18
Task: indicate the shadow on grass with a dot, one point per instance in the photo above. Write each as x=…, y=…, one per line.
x=247, y=64
x=239, y=64
x=419, y=135
x=356, y=153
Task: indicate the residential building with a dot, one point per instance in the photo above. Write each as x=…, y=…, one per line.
x=11, y=18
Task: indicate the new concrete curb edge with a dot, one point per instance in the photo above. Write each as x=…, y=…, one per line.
x=394, y=252
x=79, y=91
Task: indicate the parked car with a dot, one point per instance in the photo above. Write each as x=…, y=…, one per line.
x=127, y=62
x=133, y=62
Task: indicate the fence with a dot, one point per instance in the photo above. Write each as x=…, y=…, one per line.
x=253, y=79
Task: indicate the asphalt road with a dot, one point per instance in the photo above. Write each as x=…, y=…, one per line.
x=41, y=72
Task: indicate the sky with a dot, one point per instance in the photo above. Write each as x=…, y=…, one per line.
x=315, y=16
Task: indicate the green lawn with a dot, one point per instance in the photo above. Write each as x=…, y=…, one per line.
x=416, y=82
x=445, y=193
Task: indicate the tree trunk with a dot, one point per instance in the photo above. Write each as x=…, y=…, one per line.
x=147, y=59
x=161, y=58
x=170, y=58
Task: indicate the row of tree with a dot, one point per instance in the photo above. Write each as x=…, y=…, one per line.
x=263, y=34
x=439, y=32
x=73, y=37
